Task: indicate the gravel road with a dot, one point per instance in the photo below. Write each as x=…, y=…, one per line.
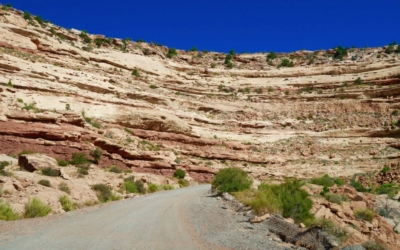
x=185, y=218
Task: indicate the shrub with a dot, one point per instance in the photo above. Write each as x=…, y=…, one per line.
x=194, y=48
x=334, y=198
x=82, y=170
x=3, y=172
x=7, y=213
x=340, y=53
x=231, y=180
x=140, y=187
x=136, y=73
x=358, y=81
x=328, y=226
x=323, y=181
x=395, y=112
x=296, y=203
x=62, y=163
x=50, y=171
x=35, y=208
x=115, y=169
x=262, y=201
x=179, y=173
x=171, y=53
x=27, y=16
x=372, y=245
x=385, y=169
x=6, y=7
x=104, y=193
x=45, y=183
x=130, y=186
x=152, y=86
x=167, y=187
x=85, y=37
x=183, y=183
x=64, y=187
x=96, y=154
x=358, y=186
x=364, y=214
x=78, y=159
x=153, y=187
x=271, y=56
x=387, y=188
x=213, y=65
x=66, y=203
x=286, y=63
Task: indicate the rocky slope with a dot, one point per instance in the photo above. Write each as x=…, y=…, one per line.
x=64, y=91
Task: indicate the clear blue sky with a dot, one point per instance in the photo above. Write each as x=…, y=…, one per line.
x=245, y=26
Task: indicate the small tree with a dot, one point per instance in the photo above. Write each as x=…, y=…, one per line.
x=358, y=81
x=231, y=180
x=194, y=48
x=96, y=154
x=179, y=173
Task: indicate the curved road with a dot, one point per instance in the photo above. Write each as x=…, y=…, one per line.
x=155, y=221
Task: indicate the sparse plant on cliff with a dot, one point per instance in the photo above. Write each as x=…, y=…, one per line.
x=125, y=43
x=27, y=16
x=179, y=173
x=271, y=56
x=45, y=183
x=67, y=204
x=194, y=48
x=373, y=245
x=9, y=84
x=64, y=187
x=36, y=208
x=171, y=53
x=231, y=180
x=4, y=164
x=286, y=63
x=328, y=226
x=99, y=42
x=395, y=112
x=115, y=169
x=85, y=37
x=96, y=154
x=30, y=106
x=136, y=73
x=6, y=7
x=340, y=53
x=78, y=159
x=183, y=183
x=390, y=49
x=67, y=106
x=358, y=81
x=40, y=20
x=364, y=214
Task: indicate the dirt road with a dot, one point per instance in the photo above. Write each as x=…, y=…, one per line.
x=179, y=219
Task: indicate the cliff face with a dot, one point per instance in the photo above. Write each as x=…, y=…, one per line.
x=60, y=94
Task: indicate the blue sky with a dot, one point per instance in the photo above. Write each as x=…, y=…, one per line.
x=245, y=26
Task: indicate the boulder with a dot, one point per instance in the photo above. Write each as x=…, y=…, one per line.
x=34, y=162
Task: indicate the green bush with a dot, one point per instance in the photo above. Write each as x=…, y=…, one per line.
x=50, y=171
x=140, y=187
x=358, y=81
x=66, y=203
x=104, y=193
x=96, y=154
x=296, y=203
x=85, y=37
x=27, y=16
x=358, y=186
x=45, y=183
x=3, y=172
x=6, y=212
x=62, y=163
x=334, y=198
x=35, y=208
x=167, y=187
x=364, y=214
x=130, y=186
x=262, y=201
x=328, y=226
x=340, y=53
x=115, y=169
x=387, y=188
x=372, y=245
x=271, y=56
x=136, y=73
x=231, y=180
x=194, y=48
x=385, y=169
x=153, y=187
x=179, y=173
x=64, y=187
x=395, y=112
x=325, y=181
x=183, y=183
x=171, y=53
x=286, y=63
x=78, y=159
x=82, y=170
